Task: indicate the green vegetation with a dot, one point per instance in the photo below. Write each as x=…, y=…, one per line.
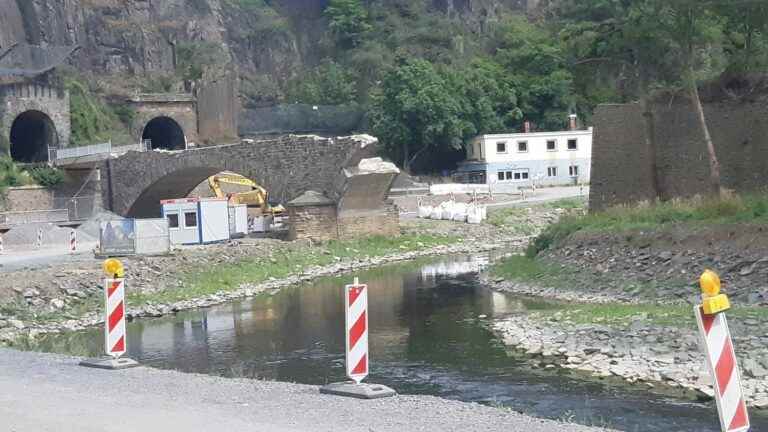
x=752, y=208
x=228, y=277
x=327, y=84
x=541, y=273
x=93, y=120
x=11, y=175
x=47, y=176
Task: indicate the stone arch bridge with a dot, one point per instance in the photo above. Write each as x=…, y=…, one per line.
x=133, y=184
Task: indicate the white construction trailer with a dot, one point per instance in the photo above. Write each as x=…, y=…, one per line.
x=197, y=220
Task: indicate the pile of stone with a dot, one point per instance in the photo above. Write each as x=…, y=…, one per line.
x=640, y=352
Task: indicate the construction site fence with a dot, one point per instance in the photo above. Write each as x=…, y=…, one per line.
x=134, y=236
x=79, y=208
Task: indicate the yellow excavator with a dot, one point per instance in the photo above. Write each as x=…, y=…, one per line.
x=257, y=197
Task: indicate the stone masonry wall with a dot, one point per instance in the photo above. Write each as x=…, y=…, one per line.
x=622, y=167
x=317, y=223
x=16, y=99
x=135, y=183
x=27, y=198
x=384, y=222
x=182, y=112
x=218, y=108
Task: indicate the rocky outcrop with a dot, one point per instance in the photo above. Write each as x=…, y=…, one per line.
x=273, y=39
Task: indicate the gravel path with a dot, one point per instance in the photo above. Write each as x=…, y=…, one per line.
x=41, y=392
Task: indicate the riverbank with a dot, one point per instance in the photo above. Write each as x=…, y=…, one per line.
x=68, y=296
x=72, y=397
x=624, y=284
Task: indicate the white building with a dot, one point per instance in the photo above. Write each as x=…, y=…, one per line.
x=543, y=158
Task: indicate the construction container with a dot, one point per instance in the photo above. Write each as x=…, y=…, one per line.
x=197, y=220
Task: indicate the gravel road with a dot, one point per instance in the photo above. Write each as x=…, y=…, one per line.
x=42, y=392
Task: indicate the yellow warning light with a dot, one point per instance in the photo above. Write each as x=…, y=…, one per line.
x=710, y=283
x=712, y=301
x=114, y=268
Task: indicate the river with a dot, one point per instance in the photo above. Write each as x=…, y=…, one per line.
x=428, y=335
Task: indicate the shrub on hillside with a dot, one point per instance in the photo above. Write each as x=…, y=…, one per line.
x=47, y=176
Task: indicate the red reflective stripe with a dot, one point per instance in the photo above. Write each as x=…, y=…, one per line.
x=115, y=316
x=740, y=418
x=119, y=346
x=707, y=320
x=354, y=293
x=725, y=366
x=115, y=285
x=362, y=366
x=357, y=330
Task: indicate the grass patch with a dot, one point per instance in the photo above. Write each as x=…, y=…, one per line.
x=567, y=204
x=281, y=264
x=751, y=208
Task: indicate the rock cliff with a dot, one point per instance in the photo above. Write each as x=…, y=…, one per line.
x=272, y=38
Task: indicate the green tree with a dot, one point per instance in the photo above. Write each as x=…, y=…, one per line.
x=349, y=21
x=415, y=112
x=667, y=43
x=327, y=84
x=539, y=71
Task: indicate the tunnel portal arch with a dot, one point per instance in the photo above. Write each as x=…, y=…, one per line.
x=32, y=133
x=164, y=133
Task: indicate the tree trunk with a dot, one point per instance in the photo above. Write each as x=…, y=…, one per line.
x=714, y=164
x=406, y=157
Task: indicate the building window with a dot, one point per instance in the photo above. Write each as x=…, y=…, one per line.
x=173, y=220
x=522, y=146
x=501, y=147
x=551, y=145
x=573, y=144
x=516, y=175
x=552, y=172
x=573, y=170
x=190, y=219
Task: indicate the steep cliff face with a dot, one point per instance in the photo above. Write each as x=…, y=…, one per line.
x=271, y=38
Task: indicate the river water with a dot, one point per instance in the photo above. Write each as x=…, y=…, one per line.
x=428, y=335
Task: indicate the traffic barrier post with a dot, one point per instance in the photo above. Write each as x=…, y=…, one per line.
x=72, y=242
x=721, y=356
x=356, y=348
x=115, y=336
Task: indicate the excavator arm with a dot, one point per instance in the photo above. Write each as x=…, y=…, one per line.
x=256, y=197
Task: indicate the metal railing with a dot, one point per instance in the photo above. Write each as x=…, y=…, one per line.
x=55, y=154
x=34, y=216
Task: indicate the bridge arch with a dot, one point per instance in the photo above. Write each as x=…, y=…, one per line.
x=135, y=183
x=177, y=184
x=165, y=133
x=32, y=133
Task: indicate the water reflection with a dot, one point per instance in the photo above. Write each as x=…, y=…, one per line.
x=427, y=337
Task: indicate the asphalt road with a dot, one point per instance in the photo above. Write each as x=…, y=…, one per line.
x=41, y=392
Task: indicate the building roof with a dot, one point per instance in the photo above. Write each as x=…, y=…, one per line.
x=311, y=198
x=31, y=60
x=538, y=134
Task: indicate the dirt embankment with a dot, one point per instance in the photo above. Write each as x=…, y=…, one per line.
x=671, y=259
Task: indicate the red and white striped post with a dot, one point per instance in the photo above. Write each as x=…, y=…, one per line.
x=356, y=348
x=114, y=324
x=356, y=307
x=115, y=338
x=721, y=356
x=72, y=242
